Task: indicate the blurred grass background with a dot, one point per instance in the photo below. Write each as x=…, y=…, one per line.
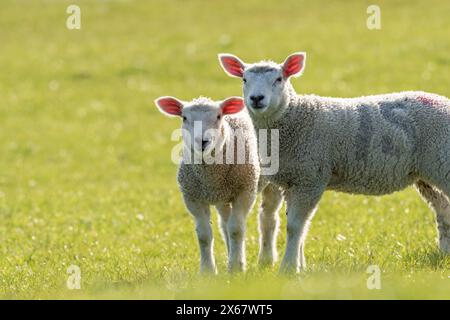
x=85, y=170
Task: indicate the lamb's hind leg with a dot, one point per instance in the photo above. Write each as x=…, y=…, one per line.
x=440, y=203
x=272, y=199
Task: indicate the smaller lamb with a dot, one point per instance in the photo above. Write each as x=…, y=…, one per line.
x=208, y=175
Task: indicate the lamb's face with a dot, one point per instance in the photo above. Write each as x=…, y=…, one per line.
x=202, y=126
x=265, y=84
x=202, y=120
x=263, y=87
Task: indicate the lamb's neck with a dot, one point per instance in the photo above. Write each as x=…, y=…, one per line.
x=271, y=120
x=292, y=97
x=205, y=170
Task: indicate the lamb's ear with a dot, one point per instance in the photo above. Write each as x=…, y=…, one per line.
x=232, y=65
x=294, y=64
x=169, y=106
x=232, y=105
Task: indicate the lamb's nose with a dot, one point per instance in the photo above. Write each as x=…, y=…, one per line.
x=204, y=144
x=256, y=98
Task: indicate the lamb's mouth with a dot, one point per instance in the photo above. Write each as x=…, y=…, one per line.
x=258, y=108
x=207, y=148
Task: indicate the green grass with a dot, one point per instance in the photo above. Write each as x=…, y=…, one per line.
x=85, y=170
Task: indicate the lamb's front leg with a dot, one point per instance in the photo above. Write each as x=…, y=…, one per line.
x=272, y=199
x=301, y=204
x=224, y=210
x=202, y=215
x=241, y=206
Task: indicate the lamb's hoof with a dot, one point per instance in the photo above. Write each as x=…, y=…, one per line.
x=289, y=269
x=265, y=263
x=236, y=268
x=208, y=270
x=266, y=260
x=444, y=245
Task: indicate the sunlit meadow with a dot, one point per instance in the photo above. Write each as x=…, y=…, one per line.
x=85, y=171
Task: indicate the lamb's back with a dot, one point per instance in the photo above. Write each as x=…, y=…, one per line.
x=366, y=145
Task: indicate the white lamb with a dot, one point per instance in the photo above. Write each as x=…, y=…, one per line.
x=215, y=136
x=371, y=145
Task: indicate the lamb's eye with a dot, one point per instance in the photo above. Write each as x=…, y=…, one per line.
x=278, y=79
x=218, y=117
x=184, y=118
x=244, y=80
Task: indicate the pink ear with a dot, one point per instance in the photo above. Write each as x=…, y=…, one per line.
x=232, y=65
x=232, y=105
x=169, y=105
x=294, y=64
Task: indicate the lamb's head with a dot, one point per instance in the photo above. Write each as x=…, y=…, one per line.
x=266, y=84
x=203, y=124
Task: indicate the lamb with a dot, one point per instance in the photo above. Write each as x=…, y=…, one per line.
x=372, y=145
x=214, y=130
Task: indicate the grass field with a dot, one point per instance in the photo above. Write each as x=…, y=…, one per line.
x=85, y=171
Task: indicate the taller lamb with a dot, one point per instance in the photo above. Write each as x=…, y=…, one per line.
x=371, y=145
